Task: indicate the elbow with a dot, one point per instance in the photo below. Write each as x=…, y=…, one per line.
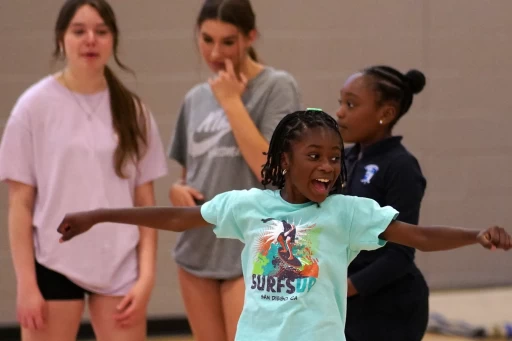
x=423, y=248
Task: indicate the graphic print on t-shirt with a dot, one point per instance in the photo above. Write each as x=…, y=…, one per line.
x=206, y=137
x=284, y=259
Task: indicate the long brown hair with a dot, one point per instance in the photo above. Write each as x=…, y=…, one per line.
x=128, y=115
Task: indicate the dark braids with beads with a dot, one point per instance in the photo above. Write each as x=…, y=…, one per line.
x=392, y=85
x=290, y=129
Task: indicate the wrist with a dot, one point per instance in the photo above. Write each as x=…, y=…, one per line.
x=98, y=215
x=147, y=280
x=181, y=182
x=473, y=235
x=231, y=103
x=27, y=284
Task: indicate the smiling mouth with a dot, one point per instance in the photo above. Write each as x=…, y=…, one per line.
x=322, y=185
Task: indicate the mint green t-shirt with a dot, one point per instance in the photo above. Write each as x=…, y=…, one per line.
x=297, y=295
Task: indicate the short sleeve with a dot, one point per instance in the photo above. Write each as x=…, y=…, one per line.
x=369, y=220
x=153, y=165
x=221, y=211
x=17, y=149
x=283, y=99
x=178, y=145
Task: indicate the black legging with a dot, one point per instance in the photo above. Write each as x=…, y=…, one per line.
x=388, y=317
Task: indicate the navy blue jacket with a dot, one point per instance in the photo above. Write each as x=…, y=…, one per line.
x=387, y=279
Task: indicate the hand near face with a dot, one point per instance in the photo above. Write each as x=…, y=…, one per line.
x=228, y=85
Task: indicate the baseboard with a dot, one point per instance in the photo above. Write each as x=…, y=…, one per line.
x=156, y=327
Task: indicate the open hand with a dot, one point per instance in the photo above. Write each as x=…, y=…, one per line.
x=31, y=309
x=133, y=307
x=76, y=223
x=228, y=85
x=495, y=238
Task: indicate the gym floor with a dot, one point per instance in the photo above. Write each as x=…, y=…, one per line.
x=493, y=308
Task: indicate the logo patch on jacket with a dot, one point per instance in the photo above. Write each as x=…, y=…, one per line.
x=371, y=170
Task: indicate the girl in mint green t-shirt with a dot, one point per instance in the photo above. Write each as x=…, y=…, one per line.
x=300, y=238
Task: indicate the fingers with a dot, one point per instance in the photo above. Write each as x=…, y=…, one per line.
x=63, y=227
x=486, y=240
x=65, y=230
x=183, y=199
x=123, y=317
x=67, y=234
x=124, y=302
x=24, y=322
x=497, y=237
x=504, y=239
x=183, y=196
x=243, y=79
x=196, y=194
x=125, y=311
x=230, y=69
x=32, y=321
x=38, y=321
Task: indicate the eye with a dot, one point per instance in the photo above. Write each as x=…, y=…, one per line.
x=350, y=104
x=78, y=32
x=102, y=32
x=229, y=42
x=336, y=159
x=207, y=40
x=313, y=156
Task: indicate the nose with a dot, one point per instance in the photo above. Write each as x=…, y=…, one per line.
x=341, y=112
x=91, y=37
x=215, y=54
x=326, y=166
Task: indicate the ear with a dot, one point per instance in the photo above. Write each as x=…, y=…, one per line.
x=285, y=161
x=251, y=37
x=387, y=114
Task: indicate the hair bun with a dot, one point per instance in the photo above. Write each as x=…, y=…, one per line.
x=416, y=80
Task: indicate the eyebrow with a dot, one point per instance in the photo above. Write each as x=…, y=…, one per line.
x=317, y=146
x=79, y=24
x=351, y=94
x=225, y=38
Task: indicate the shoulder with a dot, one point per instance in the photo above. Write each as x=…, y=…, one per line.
x=402, y=160
x=235, y=199
x=199, y=90
x=38, y=91
x=251, y=195
x=338, y=201
x=346, y=208
x=35, y=96
x=279, y=78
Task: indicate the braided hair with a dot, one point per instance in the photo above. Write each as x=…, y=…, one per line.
x=290, y=129
x=391, y=85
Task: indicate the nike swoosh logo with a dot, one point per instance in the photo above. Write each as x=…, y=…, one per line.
x=199, y=148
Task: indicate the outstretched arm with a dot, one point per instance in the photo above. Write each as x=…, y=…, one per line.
x=438, y=238
x=175, y=219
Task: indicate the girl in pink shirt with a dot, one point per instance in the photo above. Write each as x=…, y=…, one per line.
x=79, y=140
